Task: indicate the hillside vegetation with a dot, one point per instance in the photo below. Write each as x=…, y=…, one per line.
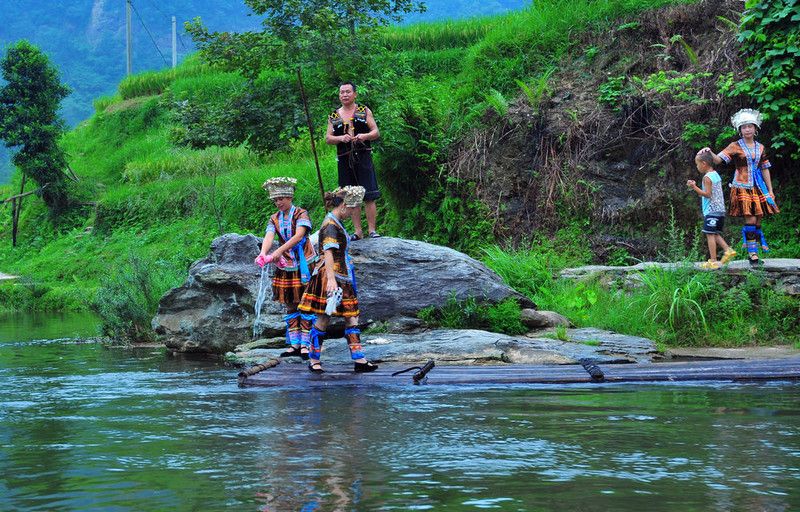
x=175, y=158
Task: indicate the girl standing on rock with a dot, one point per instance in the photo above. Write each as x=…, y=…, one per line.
x=332, y=290
x=292, y=258
x=751, y=189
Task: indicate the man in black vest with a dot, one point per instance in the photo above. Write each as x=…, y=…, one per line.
x=352, y=127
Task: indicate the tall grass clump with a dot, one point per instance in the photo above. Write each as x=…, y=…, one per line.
x=529, y=40
x=675, y=298
x=128, y=298
x=185, y=162
x=151, y=83
x=438, y=35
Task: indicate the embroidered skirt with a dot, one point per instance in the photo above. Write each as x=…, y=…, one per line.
x=287, y=288
x=315, y=298
x=750, y=201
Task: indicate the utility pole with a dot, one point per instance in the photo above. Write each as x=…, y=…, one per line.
x=174, y=43
x=128, y=37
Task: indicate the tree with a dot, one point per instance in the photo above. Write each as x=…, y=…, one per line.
x=29, y=120
x=334, y=32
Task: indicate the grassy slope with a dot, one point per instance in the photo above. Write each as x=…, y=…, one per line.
x=156, y=199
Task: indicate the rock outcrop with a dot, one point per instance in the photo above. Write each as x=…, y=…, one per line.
x=470, y=346
x=781, y=273
x=214, y=310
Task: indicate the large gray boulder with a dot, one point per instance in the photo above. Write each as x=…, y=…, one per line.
x=214, y=310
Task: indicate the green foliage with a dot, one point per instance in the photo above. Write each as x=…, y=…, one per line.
x=189, y=162
x=128, y=298
x=502, y=317
x=29, y=103
x=611, y=91
x=690, y=53
x=683, y=307
x=528, y=272
x=505, y=317
x=498, y=102
x=674, y=299
x=536, y=92
x=771, y=43
x=696, y=135
x=439, y=35
x=680, y=86
x=678, y=245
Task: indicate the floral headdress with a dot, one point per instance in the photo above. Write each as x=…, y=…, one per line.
x=353, y=196
x=282, y=186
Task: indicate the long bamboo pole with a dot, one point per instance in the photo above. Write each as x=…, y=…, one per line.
x=311, y=132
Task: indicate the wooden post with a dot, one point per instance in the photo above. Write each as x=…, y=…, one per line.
x=16, y=206
x=311, y=133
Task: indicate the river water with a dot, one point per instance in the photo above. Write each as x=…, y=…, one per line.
x=84, y=427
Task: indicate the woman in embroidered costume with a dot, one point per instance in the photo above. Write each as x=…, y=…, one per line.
x=293, y=259
x=752, y=196
x=332, y=290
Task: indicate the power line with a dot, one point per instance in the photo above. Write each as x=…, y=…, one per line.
x=149, y=34
x=157, y=8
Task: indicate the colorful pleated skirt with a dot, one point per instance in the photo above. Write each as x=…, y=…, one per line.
x=287, y=288
x=750, y=201
x=315, y=298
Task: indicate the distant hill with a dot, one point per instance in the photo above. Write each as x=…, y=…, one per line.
x=86, y=38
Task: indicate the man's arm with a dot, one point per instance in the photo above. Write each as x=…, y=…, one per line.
x=373, y=132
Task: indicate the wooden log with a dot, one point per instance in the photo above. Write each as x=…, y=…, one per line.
x=296, y=375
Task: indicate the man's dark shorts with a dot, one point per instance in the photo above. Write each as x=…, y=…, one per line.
x=361, y=173
x=713, y=224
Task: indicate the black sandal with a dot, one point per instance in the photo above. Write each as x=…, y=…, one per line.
x=294, y=352
x=755, y=261
x=365, y=367
x=304, y=356
x=354, y=237
x=316, y=370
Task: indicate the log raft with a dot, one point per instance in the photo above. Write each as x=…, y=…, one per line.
x=296, y=375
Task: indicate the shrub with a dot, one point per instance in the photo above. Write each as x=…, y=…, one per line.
x=503, y=317
x=128, y=298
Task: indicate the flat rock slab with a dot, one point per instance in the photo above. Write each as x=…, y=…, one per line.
x=6, y=277
x=294, y=375
x=782, y=352
x=782, y=273
x=469, y=346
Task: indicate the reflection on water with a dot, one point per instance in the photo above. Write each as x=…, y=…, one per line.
x=83, y=427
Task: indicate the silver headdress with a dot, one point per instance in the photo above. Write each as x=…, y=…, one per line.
x=746, y=116
x=353, y=195
x=280, y=187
